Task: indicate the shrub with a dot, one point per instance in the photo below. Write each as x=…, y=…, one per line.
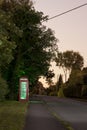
x=84, y=91
x=3, y=89
x=60, y=93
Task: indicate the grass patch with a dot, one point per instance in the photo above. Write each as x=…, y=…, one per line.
x=12, y=115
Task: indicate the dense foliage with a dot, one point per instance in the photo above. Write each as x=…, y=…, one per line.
x=76, y=85
x=26, y=46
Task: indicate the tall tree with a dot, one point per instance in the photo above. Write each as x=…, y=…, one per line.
x=59, y=83
x=69, y=60
x=35, y=44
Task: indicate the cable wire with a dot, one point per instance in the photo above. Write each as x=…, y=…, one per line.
x=66, y=12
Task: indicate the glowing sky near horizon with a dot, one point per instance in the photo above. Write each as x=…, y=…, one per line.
x=71, y=28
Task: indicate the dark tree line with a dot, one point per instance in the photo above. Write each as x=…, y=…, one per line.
x=76, y=84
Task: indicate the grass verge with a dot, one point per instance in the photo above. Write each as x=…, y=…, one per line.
x=12, y=115
x=65, y=123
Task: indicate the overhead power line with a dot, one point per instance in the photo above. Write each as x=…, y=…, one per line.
x=67, y=11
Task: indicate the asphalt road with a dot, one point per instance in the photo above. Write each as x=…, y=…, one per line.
x=38, y=117
x=42, y=110
x=72, y=111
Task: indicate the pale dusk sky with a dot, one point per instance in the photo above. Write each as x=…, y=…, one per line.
x=70, y=28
